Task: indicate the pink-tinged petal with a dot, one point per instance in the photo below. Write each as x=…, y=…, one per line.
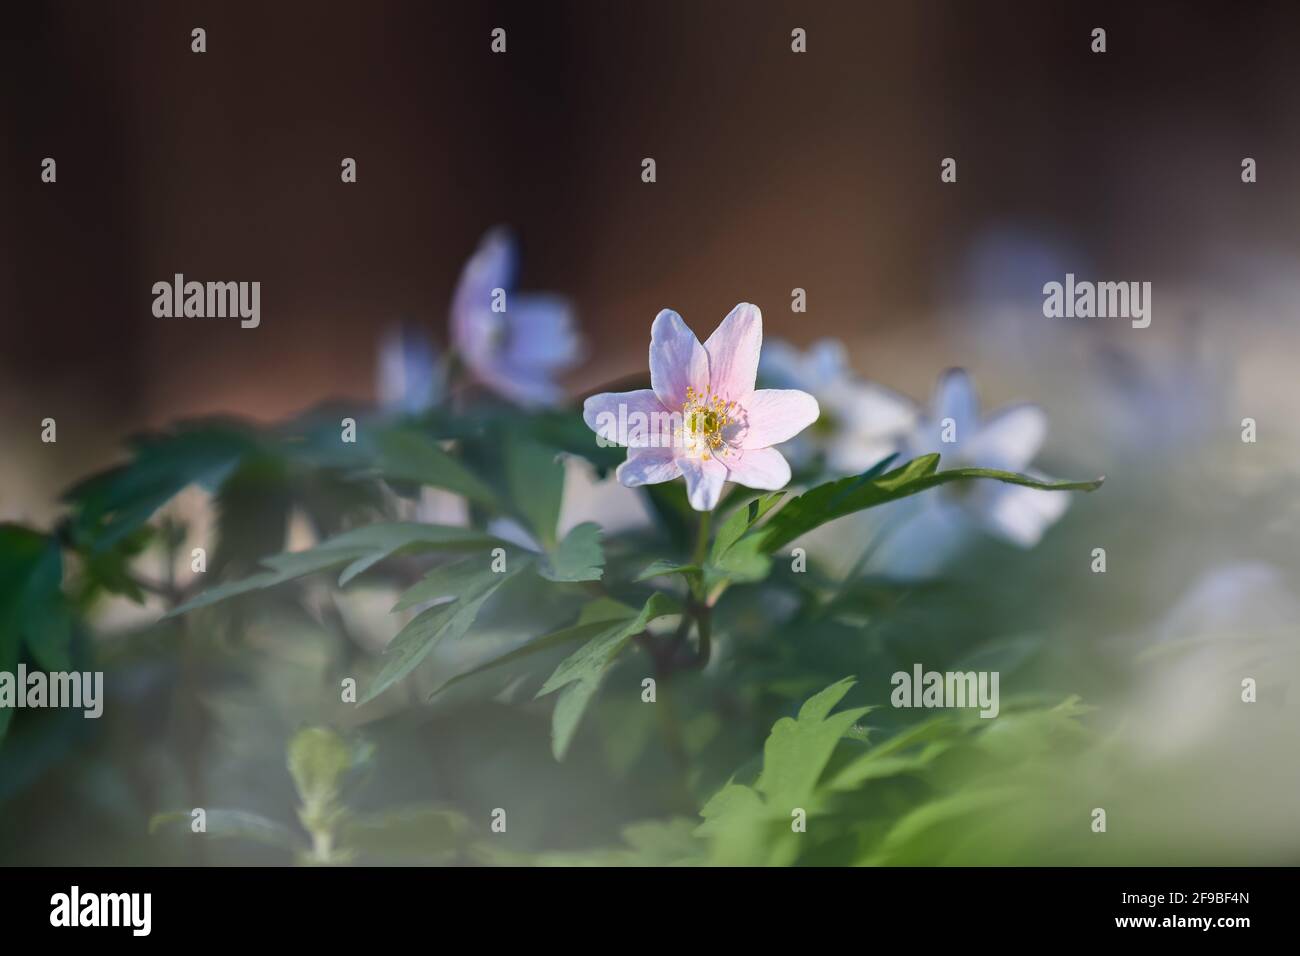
x=762, y=468
x=704, y=481
x=733, y=351
x=1009, y=439
x=1021, y=515
x=776, y=415
x=677, y=359
x=648, y=466
x=636, y=419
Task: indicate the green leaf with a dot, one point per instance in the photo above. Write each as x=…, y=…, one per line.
x=604, y=609
x=462, y=579
x=402, y=454
x=580, y=674
x=733, y=801
x=359, y=549
x=741, y=520
x=231, y=824
x=318, y=758
x=44, y=615
x=252, y=505
x=579, y=557
x=10, y=649
x=835, y=499
x=535, y=475
x=445, y=621
x=110, y=506
x=663, y=568
x=567, y=635
x=797, y=750
x=875, y=765
x=33, y=610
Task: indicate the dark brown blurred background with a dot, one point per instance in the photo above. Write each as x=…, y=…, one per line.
x=775, y=170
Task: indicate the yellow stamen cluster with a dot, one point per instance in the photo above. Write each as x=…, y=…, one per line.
x=704, y=416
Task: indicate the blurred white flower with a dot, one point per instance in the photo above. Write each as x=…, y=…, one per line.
x=410, y=377
x=933, y=527
x=514, y=343
x=861, y=422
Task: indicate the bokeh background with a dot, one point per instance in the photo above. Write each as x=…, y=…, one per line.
x=775, y=171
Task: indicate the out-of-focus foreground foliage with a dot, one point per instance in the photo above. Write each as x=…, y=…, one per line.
x=353, y=678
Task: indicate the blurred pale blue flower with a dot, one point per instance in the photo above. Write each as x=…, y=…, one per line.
x=411, y=377
x=861, y=422
x=514, y=343
x=934, y=527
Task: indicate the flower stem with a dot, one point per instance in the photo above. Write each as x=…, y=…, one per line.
x=704, y=632
x=702, y=538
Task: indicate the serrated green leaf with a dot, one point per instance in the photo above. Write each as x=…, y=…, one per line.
x=592, y=657
x=579, y=557
x=877, y=766
x=797, y=750
x=110, y=506
x=580, y=673
x=428, y=628
x=835, y=499
x=567, y=635
x=464, y=579
x=223, y=592
x=359, y=549
x=732, y=801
